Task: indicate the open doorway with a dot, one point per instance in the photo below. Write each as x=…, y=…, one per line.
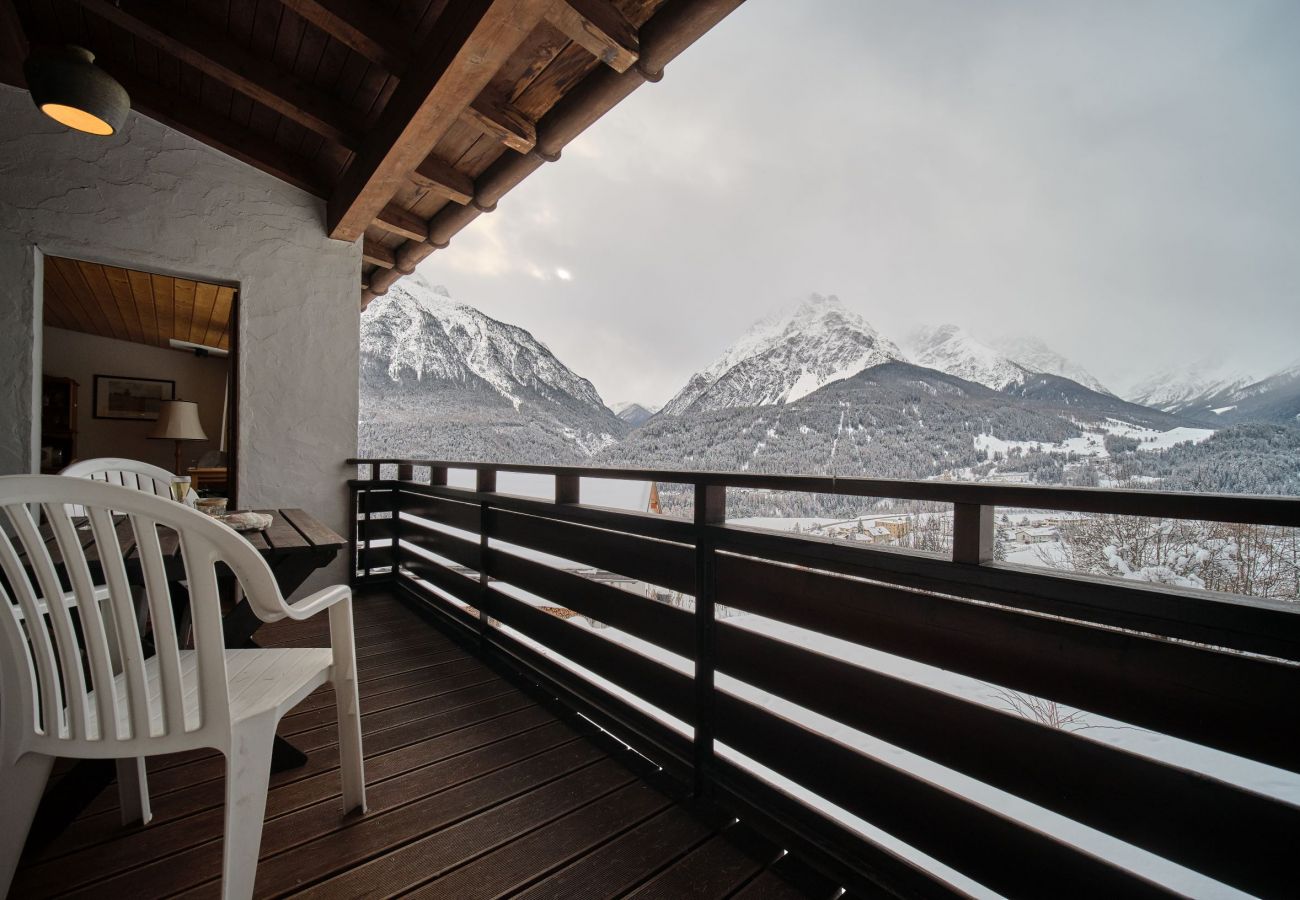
x=118, y=345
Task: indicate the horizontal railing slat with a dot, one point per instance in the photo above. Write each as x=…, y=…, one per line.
x=664, y=528
x=1223, y=700
x=652, y=561
x=463, y=516
x=1006, y=856
x=458, y=586
x=654, y=682
x=1243, y=508
x=1268, y=627
x=439, y=542
x=1149, y=804
x=660, y=624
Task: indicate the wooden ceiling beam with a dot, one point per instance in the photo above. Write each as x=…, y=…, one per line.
x=598, y=26
x=13, y=45
x=199, y=46
x=376, y=254
x=442, y=178
x=500, y=120
x=187, y=117
x=356, y=24
x=440, y=85
x=395, y=220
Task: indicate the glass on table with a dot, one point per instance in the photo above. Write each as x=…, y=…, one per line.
x=181, y=489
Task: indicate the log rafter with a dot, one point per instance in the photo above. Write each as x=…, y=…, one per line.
x=599, y=27
x=501, y=120
x=444, y=179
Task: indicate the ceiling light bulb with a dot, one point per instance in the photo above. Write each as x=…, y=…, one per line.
x=68, y=87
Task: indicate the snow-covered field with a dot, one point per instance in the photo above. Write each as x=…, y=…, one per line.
x=1092, y=442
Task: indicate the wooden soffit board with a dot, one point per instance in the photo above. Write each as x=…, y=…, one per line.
x=129, y=305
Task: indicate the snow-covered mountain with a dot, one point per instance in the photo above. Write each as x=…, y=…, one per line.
x=438, y=378
x=949, y=349
x=1036, y=356
x=786, y=357
x=1193, y=386
x=633, y=414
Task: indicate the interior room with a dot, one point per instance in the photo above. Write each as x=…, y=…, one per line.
x=137, y=365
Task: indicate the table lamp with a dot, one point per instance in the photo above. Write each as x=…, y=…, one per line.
x=178, y=420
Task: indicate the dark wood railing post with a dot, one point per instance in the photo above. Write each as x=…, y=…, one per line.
x=354, y=547
x=485, y=483
x=567, y=489
x=405, y=472
x=710, y=509
x=973, y=535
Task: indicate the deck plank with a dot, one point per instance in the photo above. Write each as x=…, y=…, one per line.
x=475, y=789
x=627, y=861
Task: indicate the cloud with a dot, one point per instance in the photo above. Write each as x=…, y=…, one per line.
x=1117, y=179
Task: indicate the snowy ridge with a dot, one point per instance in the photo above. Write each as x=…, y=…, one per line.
x=1195, y=385
x=417, y=332
x=786, y=357
x=633, y=413
x=441, y=379
x=1036, y=356
x=950, y=349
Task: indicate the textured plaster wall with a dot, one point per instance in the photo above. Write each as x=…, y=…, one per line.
x=151, y=198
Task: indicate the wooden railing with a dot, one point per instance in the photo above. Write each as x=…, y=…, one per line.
x=1217, y=670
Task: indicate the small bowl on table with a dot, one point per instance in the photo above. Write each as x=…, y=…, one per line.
x=212, y=506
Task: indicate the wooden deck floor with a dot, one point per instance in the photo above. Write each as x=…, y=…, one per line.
x=475, y=790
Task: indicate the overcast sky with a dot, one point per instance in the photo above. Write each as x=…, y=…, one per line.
x=1119, y=178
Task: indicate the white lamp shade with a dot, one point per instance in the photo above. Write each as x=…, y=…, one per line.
x=178, y=420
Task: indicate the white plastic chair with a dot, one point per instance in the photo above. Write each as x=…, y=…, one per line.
x=132, y=473
x=98, y=697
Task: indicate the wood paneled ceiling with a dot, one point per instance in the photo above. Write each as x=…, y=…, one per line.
x=412, y=117
x=136, y=306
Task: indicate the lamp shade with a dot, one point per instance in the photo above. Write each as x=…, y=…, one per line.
x=178, y=420
x=68, y=87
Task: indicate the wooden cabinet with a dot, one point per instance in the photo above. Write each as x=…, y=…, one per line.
x=58, y=422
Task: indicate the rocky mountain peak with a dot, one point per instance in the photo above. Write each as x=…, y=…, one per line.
x=786, y=356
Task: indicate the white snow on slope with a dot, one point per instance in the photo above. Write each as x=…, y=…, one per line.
x=1092, y=442
x=1181, y=387
x=417, y=330
x=786, y=357
x=949, y=349
x=1035, y=355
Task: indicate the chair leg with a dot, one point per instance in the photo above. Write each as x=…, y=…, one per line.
x=248, y=775
x=133, y=791
x=21, y=786
x=351, y=765
x=347, y=704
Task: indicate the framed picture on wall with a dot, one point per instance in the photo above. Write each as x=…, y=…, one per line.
x=120, y=397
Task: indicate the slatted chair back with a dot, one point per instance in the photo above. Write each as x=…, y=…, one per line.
x=74, y=677
x=132, y=473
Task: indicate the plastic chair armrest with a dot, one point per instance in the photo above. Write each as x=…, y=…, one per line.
x=323, y=599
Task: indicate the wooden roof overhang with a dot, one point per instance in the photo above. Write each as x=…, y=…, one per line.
x=411, y=117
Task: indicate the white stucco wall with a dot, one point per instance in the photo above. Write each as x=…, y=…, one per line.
x=152, y=198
